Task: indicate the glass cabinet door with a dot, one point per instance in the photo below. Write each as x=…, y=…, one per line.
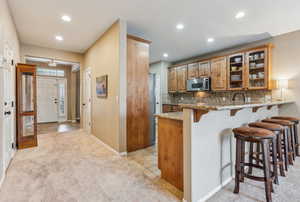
x=257, y=69
x=27, y=92
x=236, y=71
x=26, y=106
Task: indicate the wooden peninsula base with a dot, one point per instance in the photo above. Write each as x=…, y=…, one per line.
x=170, y=150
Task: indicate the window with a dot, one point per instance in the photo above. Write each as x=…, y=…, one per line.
x=50, y=72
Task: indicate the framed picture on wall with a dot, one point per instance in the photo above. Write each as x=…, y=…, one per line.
x=101, y=86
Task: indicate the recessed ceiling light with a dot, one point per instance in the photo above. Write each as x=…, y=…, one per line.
x=210, y=40
x=59, y=38
x=240, y=15
x=179, y=26
x=166, y=55
x=66, y=18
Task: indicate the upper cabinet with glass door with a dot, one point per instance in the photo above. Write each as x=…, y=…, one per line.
x=235, y=69
x=258, y=68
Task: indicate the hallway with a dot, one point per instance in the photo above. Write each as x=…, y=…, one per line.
x=74, y=166
x=46, y=128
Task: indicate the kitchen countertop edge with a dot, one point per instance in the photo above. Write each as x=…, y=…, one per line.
x=229, y=107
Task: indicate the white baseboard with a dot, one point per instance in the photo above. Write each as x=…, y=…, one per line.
x=109, y=147
x=214, y=191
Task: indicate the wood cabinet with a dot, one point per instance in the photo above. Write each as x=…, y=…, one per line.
x=138, y=111
x=204, y=68
x=170, y=151
x=218, y=74
x=247, y=69
x=236, y=72
x=166, y=108
x=181, y=77
x=26, y=106
x=258, y=68
x=172, y=80
x=193, y=70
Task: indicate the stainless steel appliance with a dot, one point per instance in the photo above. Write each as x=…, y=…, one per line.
x=198, y=84
x=152, y=105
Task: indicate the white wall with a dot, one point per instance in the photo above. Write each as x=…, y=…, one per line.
x=161, y=69
x=107, y=56
x=207, y=144
x=8, y=35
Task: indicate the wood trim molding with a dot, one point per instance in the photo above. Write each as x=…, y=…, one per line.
x=234, y=111
x=198, y=113
x=254, y=109
x=267, y=45
x=138, y=39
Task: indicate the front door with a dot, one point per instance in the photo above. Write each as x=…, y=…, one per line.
x=47, y=100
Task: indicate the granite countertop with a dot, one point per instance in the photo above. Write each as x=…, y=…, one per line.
x=171, y=115
x=207, y=106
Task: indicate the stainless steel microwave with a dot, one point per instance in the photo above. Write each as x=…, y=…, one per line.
x=198, y=84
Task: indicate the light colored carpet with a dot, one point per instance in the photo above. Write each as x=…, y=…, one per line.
x=287, y=191
x=74, y=167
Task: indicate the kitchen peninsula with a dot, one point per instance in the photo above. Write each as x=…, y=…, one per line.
x=201, y=138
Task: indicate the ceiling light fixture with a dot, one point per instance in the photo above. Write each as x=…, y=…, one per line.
x=59, y=38
x=180, y=26
x=66, y=18
x=165, y=55
x=240, y=15
x=210, y=40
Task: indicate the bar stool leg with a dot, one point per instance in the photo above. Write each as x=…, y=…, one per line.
x=285, y=150
x=266, y=160
x=274, y=158
x=280, y=154
x=293, y=141
x=243, y=160
x=237, y=166
x=296, y=139
x=250, y=158
x=257, y=153
x=290, y=148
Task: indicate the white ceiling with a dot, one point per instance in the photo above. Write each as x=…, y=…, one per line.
x=38, y=21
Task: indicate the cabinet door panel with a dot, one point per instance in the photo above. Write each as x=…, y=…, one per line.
x=204, y=68
x=257, y=69
x=172, y=80
x=218, y=73
x=193, y=70
x=181, y=77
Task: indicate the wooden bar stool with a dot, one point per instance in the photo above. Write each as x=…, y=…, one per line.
x=296, y=123
x=288, y=135
x=253, y=135
x=276, y=151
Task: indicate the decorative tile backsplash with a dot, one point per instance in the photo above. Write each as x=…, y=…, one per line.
x=217, y=97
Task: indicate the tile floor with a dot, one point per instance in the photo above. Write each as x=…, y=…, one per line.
x=147, y=159
x=46, y=128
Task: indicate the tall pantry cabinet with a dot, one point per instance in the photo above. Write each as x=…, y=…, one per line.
x=138, y=109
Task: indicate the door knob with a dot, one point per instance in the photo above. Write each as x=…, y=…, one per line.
x=83, y=104
x=7, y=113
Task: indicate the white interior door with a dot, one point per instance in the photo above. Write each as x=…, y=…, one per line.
x=47, y=100
x=7, y=115
x=87, y=101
